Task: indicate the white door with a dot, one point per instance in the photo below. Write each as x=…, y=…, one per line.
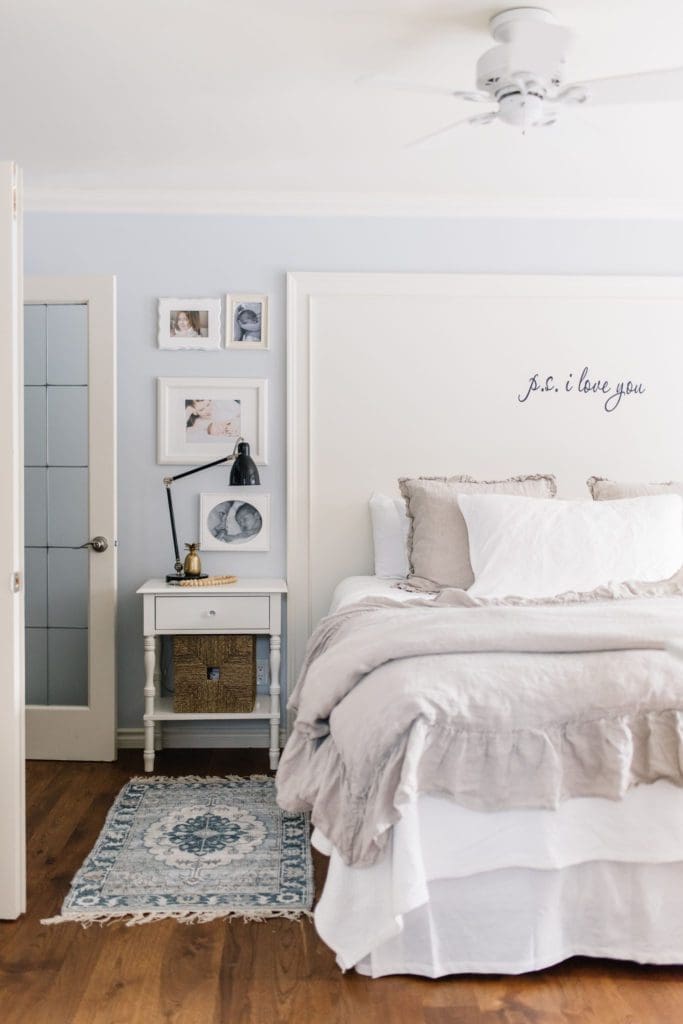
x=12, y=801
x=70, y=517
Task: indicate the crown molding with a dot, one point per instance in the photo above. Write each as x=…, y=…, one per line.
x=340, y=204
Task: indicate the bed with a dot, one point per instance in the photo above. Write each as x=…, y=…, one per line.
x=457, y=887
x=462, y=890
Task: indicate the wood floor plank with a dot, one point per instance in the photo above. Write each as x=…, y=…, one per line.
x=124, y=985
x=255, y=973
x=189, y=974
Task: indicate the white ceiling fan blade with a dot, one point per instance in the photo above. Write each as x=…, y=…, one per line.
x=472, y=96
x=488, y=118
x=538, y=47
x=664, y=86
x=398, y=84
x=482, y=119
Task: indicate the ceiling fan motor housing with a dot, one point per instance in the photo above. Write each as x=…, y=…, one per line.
x=516, y=55
x=502, y=26
x=495, y=70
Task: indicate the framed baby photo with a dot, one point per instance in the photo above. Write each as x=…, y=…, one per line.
x=247, y=321
x=200, y=419
x=189, y=324
x=236, y=520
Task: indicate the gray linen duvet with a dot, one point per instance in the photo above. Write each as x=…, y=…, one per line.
x=495, y=706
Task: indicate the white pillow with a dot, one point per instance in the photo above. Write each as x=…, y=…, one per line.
x=390, y=527
x=531, y=547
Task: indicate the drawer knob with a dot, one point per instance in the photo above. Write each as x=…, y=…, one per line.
x=211, y=611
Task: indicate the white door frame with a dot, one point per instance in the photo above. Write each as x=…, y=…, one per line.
x=12, y=696
x=89, y=733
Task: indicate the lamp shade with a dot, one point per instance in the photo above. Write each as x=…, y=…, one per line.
x=243, y=472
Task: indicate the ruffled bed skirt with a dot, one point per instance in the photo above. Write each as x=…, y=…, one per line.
x=520, y=920
x=463, y=891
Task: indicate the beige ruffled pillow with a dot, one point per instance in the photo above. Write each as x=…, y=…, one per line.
x=438, y=547
x=611, y=490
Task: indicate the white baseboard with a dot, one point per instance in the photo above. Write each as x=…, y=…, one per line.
x=251, y=734
x=130, y=739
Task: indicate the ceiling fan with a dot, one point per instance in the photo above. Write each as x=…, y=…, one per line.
x=523, y=77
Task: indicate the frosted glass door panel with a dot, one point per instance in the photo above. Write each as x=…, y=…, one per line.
x=35, y=504
x=36, y=666
x=67, y=426
x=35, y=567
x=67, y=497
x=35, y=425
x=67, y=588
x=67, y=656
x=35, y=345
x=67, y=349
x=56, y=516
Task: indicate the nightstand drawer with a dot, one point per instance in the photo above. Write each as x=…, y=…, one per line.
x=245, y=612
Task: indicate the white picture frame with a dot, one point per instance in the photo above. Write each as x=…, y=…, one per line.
x=237, y=519
x=193, y=324
x=200, y=418
x=248, y=336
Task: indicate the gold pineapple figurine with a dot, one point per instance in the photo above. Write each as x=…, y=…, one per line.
x=192, y=566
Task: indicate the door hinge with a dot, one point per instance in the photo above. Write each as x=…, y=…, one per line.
x=14, y=201
x=16, y=582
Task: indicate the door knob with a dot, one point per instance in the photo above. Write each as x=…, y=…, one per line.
x=98, y=544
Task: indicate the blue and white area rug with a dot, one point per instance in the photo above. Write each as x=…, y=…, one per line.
x=194, y=849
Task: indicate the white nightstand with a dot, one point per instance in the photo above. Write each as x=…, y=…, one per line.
x=248, y=606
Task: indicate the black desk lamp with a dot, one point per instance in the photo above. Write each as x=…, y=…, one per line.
x=242, y=473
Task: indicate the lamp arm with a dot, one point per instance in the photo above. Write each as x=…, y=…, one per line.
x=207, y=465
x=169, y=480
x=178, y=564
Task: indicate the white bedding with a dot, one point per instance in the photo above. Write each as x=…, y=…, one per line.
x=461, y=890
x=498, y=707
x=356, y=588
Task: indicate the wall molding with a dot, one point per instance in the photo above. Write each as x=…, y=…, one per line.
x=328, y=528
x=242, y=735
x=340, y=204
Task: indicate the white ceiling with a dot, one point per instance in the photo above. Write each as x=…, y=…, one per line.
x=259, y=98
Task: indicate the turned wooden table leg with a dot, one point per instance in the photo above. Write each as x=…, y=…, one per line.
x=158, y=734
x=150, y=664
x=274, y=750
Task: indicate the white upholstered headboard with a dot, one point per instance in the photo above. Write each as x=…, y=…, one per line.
x=407, y=374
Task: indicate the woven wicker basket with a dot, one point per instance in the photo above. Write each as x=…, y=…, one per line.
x=214, y=673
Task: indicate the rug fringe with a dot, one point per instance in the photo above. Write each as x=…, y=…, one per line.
x=86, y=919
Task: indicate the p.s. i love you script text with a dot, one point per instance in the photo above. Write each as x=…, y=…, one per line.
x=612, y=392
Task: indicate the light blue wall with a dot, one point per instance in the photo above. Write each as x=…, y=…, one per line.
x=168, y=255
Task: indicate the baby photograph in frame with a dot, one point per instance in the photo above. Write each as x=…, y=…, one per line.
x=235, y=520
x=200, y=419
x=247, y=321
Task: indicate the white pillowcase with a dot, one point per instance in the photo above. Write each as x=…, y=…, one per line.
x=531, y=547
x=390, y=526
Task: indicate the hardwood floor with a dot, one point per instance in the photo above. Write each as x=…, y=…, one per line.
x=234, y=973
